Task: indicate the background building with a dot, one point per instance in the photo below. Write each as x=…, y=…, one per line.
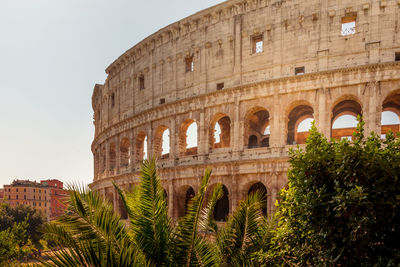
x=57, y=197
x=235, y=86
x=43, y=196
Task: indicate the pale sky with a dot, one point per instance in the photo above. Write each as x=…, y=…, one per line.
x=52, y=52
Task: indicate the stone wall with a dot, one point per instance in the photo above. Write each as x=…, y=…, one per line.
x=235, y=64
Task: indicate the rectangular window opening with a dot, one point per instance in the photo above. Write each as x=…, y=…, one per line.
x=220, y=86
x=112, y=100
x=257, y=44
x=189, y=64
x=348, y=25
x=141, y=82
x=162, y=101
x=299, y=71
x=397, y=56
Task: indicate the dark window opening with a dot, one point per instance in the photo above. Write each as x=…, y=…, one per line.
x=397, y=56
x=189, y=195
x=141, y=82
x=253, y=141
x=220, y=86
x=16, y=190
x=162, y=101
x=189, y=63
x=299, y=71
x=257, y=44
x=112, y=100
x=221, y=209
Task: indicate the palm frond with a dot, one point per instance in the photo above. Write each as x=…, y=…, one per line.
x=188, y=248
x=207, y=222
x=237, y=241
x=148, y=212
x=89, y=234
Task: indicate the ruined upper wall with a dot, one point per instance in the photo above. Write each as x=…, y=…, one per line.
x=295, y=34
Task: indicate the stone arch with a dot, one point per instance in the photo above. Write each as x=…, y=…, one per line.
x=185, y=148
x=96, y=163
x=390, y=108
x=109, y=195
x=121, y=209
x=112, y=155
x=221, y=210
x=162, y=142
x=295, y=117
x=141, y=146
x=125, y=152
x=345, y=109
x=220, y=131
x=260, y=187
x=184, y=196
x=166, y=196
x=256, y=124
x=103, y=159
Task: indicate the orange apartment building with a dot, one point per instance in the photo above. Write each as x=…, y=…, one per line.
x=44, y=196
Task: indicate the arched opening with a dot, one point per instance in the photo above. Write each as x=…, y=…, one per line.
x=141, y=147
x=166, y=196
x=257, y=129
x=390, y=114
x=220, y=132
x=184, y=196
x=221, y=209
x=122, y=210
x=344, y=119
x=109, y=195
x=125, y=155
x=260, y=187
x=253, y=141
x=103, y=159
x=162, y=142
x=297, y=116
x=188, y=138
x=112, y=156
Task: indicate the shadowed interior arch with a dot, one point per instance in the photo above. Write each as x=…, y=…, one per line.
x=256, y=124
x=344, y=121
x=295, y=117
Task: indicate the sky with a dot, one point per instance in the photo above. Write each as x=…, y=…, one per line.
x=52, y=53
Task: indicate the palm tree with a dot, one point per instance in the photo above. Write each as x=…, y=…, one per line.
x=92, y=234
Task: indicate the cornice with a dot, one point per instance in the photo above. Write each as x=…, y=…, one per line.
x=239, y=89
x=273, y=160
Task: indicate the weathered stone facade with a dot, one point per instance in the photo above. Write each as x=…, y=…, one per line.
x=239, y=64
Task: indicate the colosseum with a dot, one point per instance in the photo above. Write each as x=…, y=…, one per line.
x=235, y=86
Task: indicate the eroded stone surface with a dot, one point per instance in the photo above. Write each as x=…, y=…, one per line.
x=210, y=68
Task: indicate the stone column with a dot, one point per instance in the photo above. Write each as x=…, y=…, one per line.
x=171, y=204
x=150, y=151
x=372, y=115
x=203, y=138
x=323, y=121
x=237, y=131
x=172, y=140
x=117, y=153
x=132, y=142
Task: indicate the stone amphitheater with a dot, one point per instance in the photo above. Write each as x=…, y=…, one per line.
x=235, y=86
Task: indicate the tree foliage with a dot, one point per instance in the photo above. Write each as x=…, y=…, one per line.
x=14, y=243
x=340, y=208
x=19, y=214
x=342, y=204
